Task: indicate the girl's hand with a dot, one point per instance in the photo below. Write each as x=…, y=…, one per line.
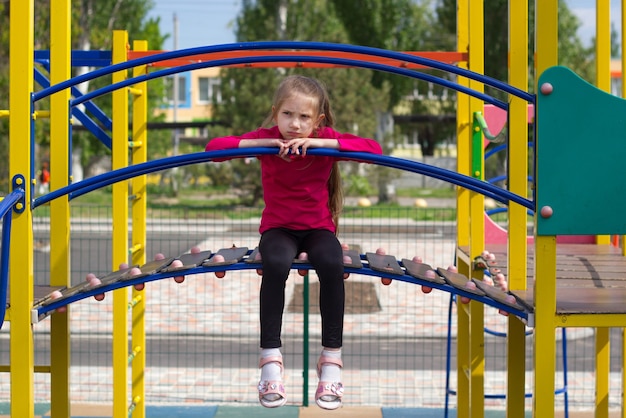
x=299, y=146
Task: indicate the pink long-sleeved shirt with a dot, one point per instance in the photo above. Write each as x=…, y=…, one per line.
x=296, y=192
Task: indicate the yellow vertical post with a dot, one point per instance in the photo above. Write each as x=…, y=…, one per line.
x=546, y=25
x=139, y=216
x=623, y=238
x=603, y=63
x=603, y=82
x=477, y=222
x=60, y=70
x=544, y=290
x=544, y=338
x=464, y=134
x=518, y=183
x=464, y=360
x=623, y=78
x=603, y=359
x=120, y=230
x=21, y=260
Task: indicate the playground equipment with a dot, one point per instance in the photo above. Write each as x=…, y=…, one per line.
x=562, y=98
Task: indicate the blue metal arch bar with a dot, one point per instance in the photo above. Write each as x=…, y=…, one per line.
x=323, y=46
x=291, y=58
x=105, y=179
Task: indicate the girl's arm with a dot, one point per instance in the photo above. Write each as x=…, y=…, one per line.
x=259, y=138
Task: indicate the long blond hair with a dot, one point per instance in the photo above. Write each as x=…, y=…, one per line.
x=298, y=84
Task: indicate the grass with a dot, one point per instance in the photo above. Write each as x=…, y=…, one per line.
x=419, y=192
x=395, y=212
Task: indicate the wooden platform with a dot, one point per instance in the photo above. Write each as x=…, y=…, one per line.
x=591, y=279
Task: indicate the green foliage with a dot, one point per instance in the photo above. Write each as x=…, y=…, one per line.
x=397, y=25
x=356, y=185
x=572, y=53
x=92, y=26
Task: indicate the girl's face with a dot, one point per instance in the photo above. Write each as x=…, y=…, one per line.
x=297, y=116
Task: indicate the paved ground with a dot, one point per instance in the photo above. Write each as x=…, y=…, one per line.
x=99, y=411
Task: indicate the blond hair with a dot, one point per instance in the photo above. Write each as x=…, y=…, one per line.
x=310, y=87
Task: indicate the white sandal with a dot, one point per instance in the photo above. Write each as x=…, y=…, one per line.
x=272, y=387
x=328, y=394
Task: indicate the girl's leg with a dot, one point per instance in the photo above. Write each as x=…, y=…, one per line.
x=326, y=256
x=278, y=249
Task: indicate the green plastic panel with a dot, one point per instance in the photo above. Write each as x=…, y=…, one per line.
x=580, y=157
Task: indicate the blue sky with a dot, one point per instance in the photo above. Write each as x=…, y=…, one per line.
x=209, y=22
x=200, y=22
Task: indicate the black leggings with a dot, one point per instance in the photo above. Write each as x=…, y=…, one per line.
x=278, y=248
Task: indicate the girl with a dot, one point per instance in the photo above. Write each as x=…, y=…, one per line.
x=303, y=200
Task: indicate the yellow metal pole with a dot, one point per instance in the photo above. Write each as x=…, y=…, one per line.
x=464, y=358
x=623, y=238
x=120, y=230
x=544, y=341
x=518, y=183
x=60, y=70
x=603, y=360
x=22, y=360
x=603, y=82
x=464, y=134
x=139, y=215
x=477, y=221
x=623, y=76
x=544, y=358
x=603, y=63
x=546, y=30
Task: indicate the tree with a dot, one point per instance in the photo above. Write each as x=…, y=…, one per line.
x=397, y=25
x=572, y=52
x=92, y=24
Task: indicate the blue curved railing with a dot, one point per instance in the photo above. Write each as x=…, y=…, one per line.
x=6, y=213
x=290, y=58
x=294, y=45
x=105, y=179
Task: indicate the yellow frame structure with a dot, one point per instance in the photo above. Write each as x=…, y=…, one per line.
x=470, y=367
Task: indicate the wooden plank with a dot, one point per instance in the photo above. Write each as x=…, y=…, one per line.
x=231, y=256
x=418, y=270
x=190, y=260
x=252, y=257
x=153, y=267
x=355, y=259
x=495, y=293
x=384, y=263
x=458, y=281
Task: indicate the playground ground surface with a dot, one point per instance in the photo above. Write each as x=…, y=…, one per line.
x=224, y=411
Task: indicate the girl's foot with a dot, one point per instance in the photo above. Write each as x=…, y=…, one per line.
x=271, y=389
x=329, y=389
